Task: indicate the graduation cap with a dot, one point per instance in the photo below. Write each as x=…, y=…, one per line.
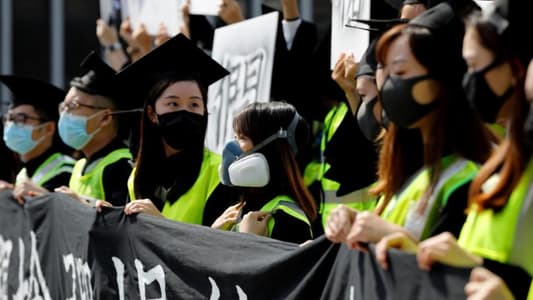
x=511, y=18
x=368, y=63
x=177, y=57
x=379, y=25
x=99, y=78
x=447, y=29
x=37, y=93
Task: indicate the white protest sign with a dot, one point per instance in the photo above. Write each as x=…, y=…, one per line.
x=204, y=7
x=249, y=56
x=153, y=13
x=485, y=5
x=348, y=35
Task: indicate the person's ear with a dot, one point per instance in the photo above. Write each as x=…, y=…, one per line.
x=107, y=118
x=46, y=129
x=152, y=115
x=50, y=128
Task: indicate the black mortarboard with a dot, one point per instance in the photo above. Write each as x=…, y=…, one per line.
x=99, y=78
x=175, y=58
x=380, y=25
x=37, y=93
x=447, y=29
x=368, y=63
x=511, y=18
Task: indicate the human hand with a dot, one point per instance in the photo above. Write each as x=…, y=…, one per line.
x=484, y=285
x=162, y=35
x=369, y=228
x=344, y=75
x=410, y=11
x=142, y=206
x=142, y=39
x=230, y=11
x=398, y=240
x=101, y=203
x=27, y=188
x=185, y=26
x=4, y=185
x=228, y=217
x=255, y=222
x=107, y=35
x=443, y=248
x=126, y=31
x=66, y=190
x=339, y=223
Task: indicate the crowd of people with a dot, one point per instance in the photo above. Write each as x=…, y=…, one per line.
x=423, y=144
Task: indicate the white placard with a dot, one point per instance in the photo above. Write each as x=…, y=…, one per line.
x=249, y=56
x=344, y=37
x=486, y=5
x=106, y=9
x=153, y=13
x=204, y=7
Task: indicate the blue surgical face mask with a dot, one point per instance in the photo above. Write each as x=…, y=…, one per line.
x=18, y=137
x=73, y=129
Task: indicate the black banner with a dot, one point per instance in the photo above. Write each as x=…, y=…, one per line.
x=56, y=248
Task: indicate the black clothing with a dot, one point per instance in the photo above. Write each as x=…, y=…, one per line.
x=452, y=216
x=31, y=166
x=115, y=175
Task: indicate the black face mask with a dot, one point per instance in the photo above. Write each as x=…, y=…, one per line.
x=368, y=124
x=182, y=129
x=398, y=101
x=481, y=98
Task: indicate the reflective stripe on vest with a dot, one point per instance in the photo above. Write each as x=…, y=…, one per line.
x=288, y=206
x=56, y=164
x=504, y=235
x=332, y=121
x=189, y=208
x=359, y=200
x=91, y=183
x=456, y=171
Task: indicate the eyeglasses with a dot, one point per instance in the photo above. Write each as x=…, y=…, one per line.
x=20, y=118
x=74, y=105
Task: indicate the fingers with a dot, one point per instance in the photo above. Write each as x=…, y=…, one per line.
x=102, y=203
x=480, y=274
x=474, y=288
x=259, y=216
x=5, y=185
x=132, y=208
x=395, y=240
x=339, y=224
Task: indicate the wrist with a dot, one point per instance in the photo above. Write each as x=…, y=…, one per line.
x=290, y=11
x=113, y=47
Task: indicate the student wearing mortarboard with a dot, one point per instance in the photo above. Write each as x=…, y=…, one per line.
x=89, y=123
x=30, y=131
x=348, y=148
x=497, y=233
x=423, y=92
x=175, y=176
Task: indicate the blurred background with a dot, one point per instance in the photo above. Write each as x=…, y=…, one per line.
x=48, y=39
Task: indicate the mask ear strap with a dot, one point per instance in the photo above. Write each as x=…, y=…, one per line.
x=288, y=134
x=291, y=132
x=280, y=134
